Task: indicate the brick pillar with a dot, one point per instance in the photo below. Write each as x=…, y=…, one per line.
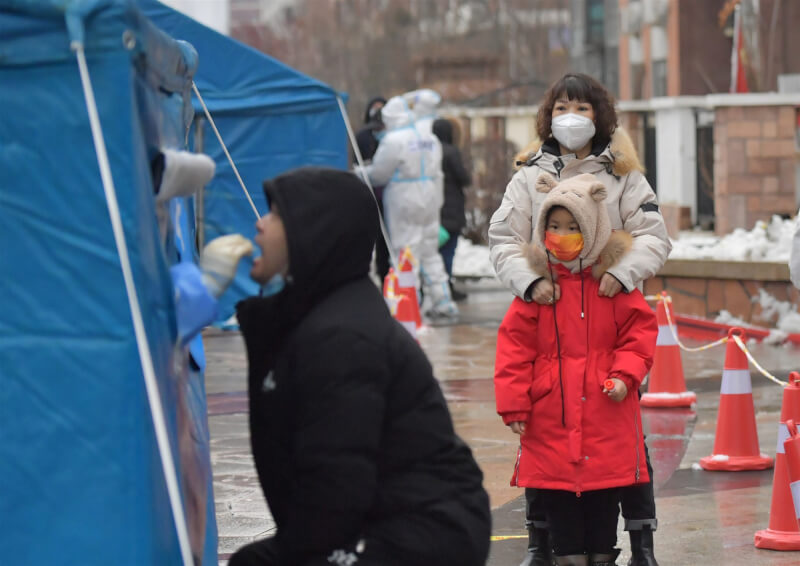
x=754, y=165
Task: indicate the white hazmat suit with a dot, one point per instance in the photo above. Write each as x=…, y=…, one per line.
x=409, y=164
x=424, y=103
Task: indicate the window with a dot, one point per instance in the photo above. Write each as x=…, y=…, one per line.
x=595, y=21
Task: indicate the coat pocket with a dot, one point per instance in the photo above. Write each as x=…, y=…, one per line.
x=543, y=382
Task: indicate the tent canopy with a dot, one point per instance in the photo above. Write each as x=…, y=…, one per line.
x=271, y=117
x=79, y=459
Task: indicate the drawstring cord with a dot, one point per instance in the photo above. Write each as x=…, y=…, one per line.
x=580, y=269
x=558, y=341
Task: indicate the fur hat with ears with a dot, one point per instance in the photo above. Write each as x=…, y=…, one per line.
x=584, y=197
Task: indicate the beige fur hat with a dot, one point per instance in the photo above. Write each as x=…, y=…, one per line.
x=584, y=197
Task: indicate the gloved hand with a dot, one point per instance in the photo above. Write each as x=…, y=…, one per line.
x=219, y=260
x=184, y=173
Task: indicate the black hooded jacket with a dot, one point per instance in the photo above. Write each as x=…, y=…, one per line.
x=366, y=140
x=456, y=178
x=350, y=431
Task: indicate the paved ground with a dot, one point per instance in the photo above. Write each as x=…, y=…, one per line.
x=704, y=517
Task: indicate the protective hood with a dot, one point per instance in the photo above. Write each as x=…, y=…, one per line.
x=396, y=114
x=331, y=222
x=426, y=101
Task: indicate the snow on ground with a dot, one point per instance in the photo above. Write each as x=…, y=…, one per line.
x=472, y=260
x=767, y=241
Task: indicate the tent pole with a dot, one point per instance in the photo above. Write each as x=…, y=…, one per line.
x=225, y=149
x=148, y=369
x=199, y=199
x=357, y=152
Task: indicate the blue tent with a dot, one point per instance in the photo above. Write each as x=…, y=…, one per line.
x=272, y=119
x=82, y=467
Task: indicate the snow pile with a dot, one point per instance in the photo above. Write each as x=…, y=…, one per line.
x=788, y=319
x=780, y=314
x=472, y=260
x=765, y=242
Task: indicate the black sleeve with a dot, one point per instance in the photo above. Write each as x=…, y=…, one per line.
x=463, y=178
x=367, y=144
x=335, y=446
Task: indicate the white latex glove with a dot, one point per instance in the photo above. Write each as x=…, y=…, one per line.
x=185, y=173
x=219, y=260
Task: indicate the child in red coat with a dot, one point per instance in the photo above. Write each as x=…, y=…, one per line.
x=567, y=373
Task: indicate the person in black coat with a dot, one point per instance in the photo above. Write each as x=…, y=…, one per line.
x=456, y=177
x=368, y=138
x=351, y=435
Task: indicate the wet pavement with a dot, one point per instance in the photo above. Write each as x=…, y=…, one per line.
x=704, y=517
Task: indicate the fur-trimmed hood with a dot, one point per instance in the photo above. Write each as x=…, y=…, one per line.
x=619, y=243
x=621, y=153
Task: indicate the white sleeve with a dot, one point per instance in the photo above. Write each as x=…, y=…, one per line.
x=794, y=260
x=642, y=219
x=384, y=162
x=510, y=227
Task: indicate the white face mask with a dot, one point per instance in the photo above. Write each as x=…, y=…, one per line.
x=573, y=131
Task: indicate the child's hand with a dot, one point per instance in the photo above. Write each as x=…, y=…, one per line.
x=618, y=389
x=517, y=427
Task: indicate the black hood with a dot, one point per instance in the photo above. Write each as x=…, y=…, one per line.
x=331, y=222
x=443, y=130
x=372, y=101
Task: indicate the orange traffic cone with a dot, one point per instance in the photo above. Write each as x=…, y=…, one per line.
x=783, y=532
x=736, y=441
x=792, y=449
x=407, y=283
x=667, y=386
x=404, y=314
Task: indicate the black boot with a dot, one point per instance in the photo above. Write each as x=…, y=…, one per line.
x=539, y=550
x=457, y=295
x=604, y=559
x=642, y=553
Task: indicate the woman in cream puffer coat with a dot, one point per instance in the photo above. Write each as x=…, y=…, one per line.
x=632, y=206
x=578, y=125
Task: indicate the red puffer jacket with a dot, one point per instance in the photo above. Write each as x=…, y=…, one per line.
x=550, y=367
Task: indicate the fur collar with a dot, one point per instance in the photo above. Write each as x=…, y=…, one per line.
x=621, y=151
x=618, y=245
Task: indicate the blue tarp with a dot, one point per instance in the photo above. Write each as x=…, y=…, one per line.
x=271, y=117
x=81, y=477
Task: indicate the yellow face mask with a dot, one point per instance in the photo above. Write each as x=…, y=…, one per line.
x=565, y=248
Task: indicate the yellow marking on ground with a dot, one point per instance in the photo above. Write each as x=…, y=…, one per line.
x=496, y=538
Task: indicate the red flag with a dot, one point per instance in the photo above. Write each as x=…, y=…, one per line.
x=738, y=56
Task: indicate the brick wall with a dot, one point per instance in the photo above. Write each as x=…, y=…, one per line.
x=754, y=165
x=704, y=288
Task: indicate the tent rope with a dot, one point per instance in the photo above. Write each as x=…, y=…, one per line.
x=225, y=149
x=365, y=177
x=151, y=385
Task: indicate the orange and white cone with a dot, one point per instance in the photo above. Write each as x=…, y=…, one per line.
x=736, y=441
x=667, y=386
x=792, y=449
x=407, y=283
x=404, y=314
x=783, y=532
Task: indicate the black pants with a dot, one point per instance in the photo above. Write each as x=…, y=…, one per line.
x=585, y=524
x=263, y=553
x=638, y=504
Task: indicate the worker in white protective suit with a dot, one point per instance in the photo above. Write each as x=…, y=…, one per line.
x=424, y=103
x=794, y=259
x=409, y=164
